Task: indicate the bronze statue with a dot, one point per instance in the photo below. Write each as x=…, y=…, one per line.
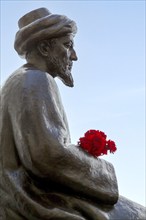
x=42, y=175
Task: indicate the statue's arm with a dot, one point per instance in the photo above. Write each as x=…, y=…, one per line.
x=40, y=140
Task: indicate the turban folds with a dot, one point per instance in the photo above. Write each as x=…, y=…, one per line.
x=41, y=24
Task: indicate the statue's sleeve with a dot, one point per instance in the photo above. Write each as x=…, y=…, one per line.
x=40, y=136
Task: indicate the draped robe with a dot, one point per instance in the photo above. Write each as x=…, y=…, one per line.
x=42, y=175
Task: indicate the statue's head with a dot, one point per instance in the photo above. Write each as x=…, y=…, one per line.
x=47, y=38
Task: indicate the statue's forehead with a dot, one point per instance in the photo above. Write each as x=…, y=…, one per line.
x=66, y=38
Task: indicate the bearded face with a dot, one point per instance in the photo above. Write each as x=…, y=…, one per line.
x=63, y=68
x=61, y=59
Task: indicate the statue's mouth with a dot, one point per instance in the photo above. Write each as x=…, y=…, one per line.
x=69, y=66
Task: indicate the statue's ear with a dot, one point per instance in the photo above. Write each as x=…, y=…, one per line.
x=44, y=47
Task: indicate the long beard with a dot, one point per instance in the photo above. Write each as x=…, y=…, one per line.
x=63, y=71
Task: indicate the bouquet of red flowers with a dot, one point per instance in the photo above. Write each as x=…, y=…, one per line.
x=95, y=143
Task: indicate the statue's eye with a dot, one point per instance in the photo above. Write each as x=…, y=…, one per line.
x=68, y=45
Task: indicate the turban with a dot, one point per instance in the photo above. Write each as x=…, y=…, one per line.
x=38, y=25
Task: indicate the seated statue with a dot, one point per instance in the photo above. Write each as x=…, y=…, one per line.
x=42, y=175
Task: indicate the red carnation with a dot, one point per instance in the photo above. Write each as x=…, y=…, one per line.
x=94, y=142
x=111, y=146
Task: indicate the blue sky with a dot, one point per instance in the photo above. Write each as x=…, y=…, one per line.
x=109, y=92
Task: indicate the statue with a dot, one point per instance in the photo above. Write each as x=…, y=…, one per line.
x=42, y=175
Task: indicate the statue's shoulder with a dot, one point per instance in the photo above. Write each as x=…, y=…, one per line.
x=31, y=73
x=33, y=77
x=29, y=81
x=27, y=76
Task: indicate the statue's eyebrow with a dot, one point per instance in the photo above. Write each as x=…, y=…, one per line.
x=69, y=42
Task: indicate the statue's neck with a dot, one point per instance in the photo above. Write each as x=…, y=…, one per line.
x=40, y=63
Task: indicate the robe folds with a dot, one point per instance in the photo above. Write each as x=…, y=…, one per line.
x=42, y=175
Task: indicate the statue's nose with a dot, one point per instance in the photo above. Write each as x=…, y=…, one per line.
x=74, y=55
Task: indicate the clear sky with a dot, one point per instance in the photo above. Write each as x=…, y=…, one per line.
x=109, y=92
